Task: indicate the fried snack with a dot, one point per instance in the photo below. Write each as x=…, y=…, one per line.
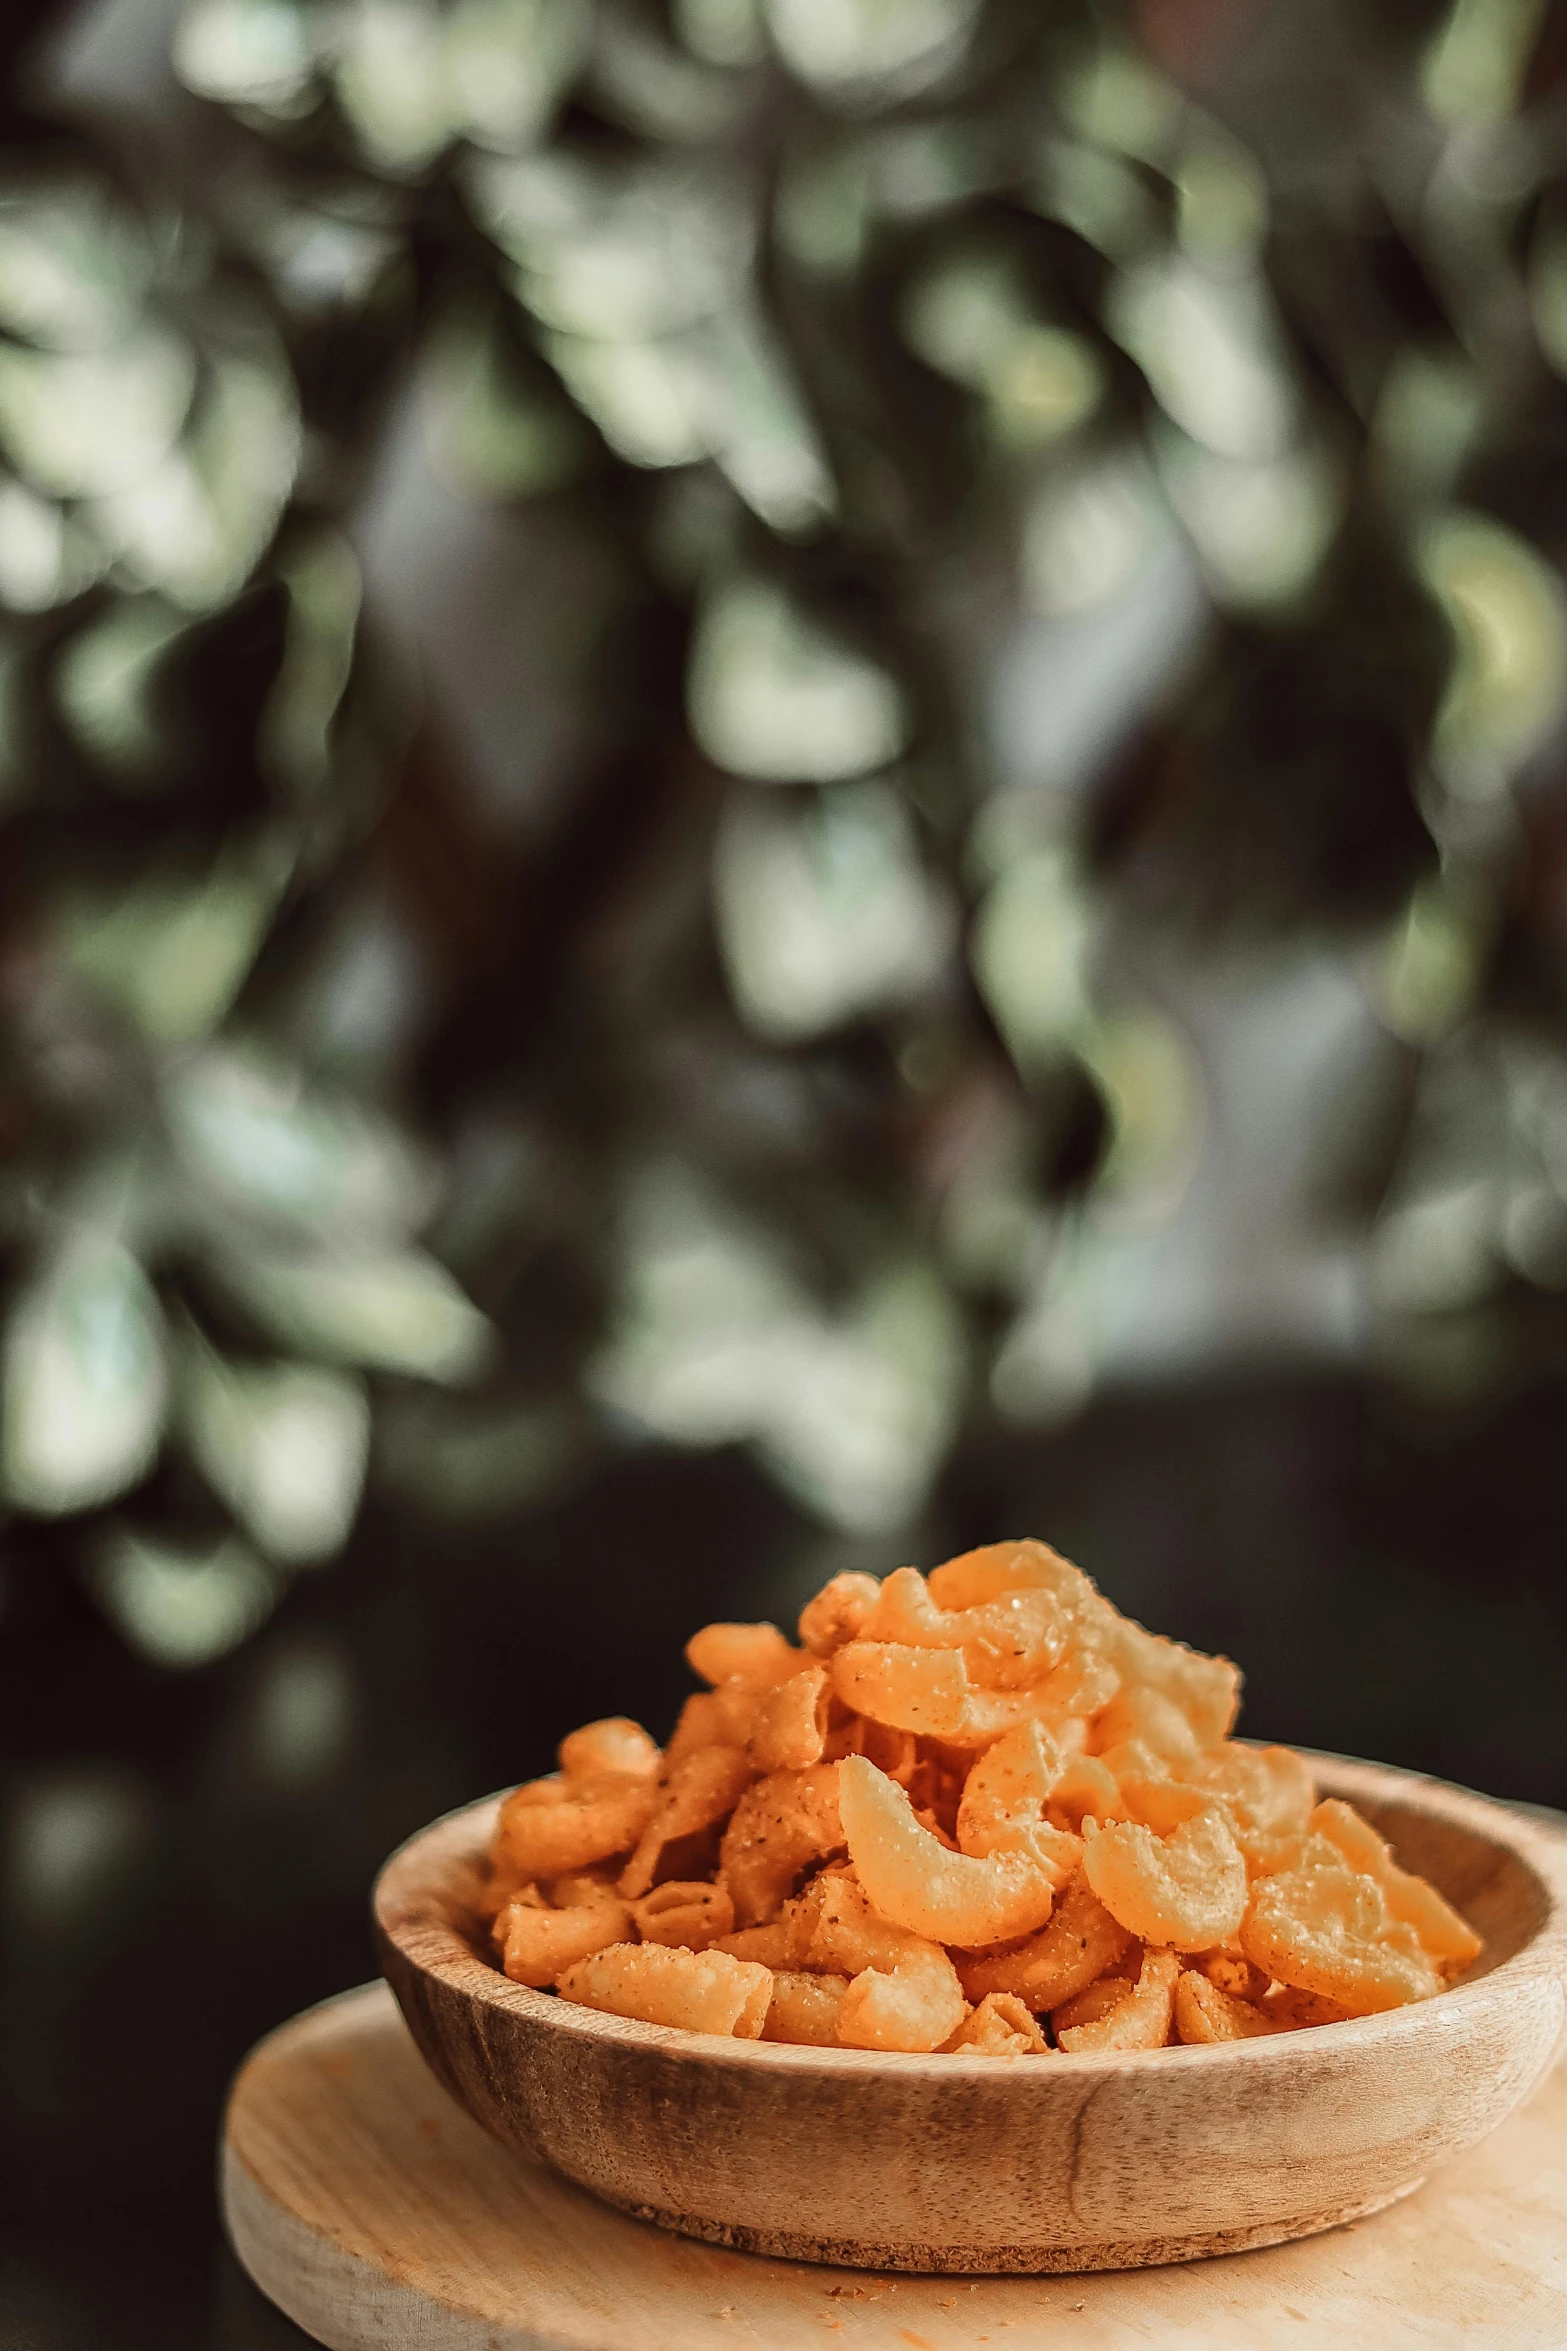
x=1443, y=1935
x=904, y=1991
x=756, y=1654
x=713, y=1718
x=1187, y=1889
x=614, y=1745
x=702, y=1991
x=1098, y=1998
x=790, y=1729
x=837, y=1613
x=544, y=1930
x=1009, y=1642
x=805, y=2008
x=921, y=1690
x=778, y=1828
x=1329, y=1931
x=962, y=1803
x=702, y=1790
x=687, y=1914
x=1203, y=2013
x=913, y=1879
x=1140, y=1712
x=1002, y=1808
x=1268, y=1793
x=1231, y=1971
x=1206, y=1689
x=1087, y=1785
x=1000, y=2027
x=1141, y=2020
x=551, y=1827
x=1080, y=1942
x=769, y=1944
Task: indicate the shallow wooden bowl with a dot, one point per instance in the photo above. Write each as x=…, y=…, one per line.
x=984, y=2163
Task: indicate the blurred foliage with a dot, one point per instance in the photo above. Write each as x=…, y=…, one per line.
x=787, y=1083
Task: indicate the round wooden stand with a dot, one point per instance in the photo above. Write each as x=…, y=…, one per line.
x=375, y=2213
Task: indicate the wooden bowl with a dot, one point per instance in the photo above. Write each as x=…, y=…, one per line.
x=971, y=2163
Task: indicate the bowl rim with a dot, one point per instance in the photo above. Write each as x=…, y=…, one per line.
x=1536, y=1844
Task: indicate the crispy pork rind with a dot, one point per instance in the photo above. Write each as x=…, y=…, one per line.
x=837, y=1613
x=701, y=1791
x=1268, y=1793
x=614, y=1745
x=550, y=1828
x=769, y=1945
x=1081, y=1941
x=1003, y=1805
x=688, y=1914
x=1140, y=2021
x=928, y=1691
x=903, y=1991
x=1445, y=1937
x=700, y=1991
x=1008, y=1642
x=546, y=1929
x=1204, y=2014
x=1098, y=1998
x=913, y=1878
x=1187, y=1889
x=805, y=2008
x=781, y=1826
x=1206, y=1689
x=756, y=1654
x=789, y=1732
x=1330, y=1931
x=1000, y=2026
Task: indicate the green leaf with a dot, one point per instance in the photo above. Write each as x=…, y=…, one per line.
x=878, y=49
x=85, y=424
x=85, y=1381
x=1508, y=683
x=245, y=52
x=182, y=1606
x=825, y=915
x=72, y=267
x=775, y=698
x=195, y=523
x=172, y=953
x=285, y=1444
x=397, y=1311
x=252, y=1133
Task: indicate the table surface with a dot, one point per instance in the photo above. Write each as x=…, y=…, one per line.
x=376, y=2213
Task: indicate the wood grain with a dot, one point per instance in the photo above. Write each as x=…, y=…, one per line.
x=376, y=2213
x=974, y=2164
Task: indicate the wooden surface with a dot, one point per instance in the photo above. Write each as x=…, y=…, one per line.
x=362, y=2200
x=968, y=2163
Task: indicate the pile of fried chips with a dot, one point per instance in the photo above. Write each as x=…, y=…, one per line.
x=976, y=1811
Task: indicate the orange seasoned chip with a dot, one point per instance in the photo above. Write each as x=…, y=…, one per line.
x=1205, y=2014
x=1328, y=1931
x=1141, y=2020
x=1080, y=1942
x=1187, y=1889
x=1000, y=2027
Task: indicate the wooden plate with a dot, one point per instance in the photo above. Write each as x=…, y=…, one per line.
x=985, y=2164
x=381, y=2218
